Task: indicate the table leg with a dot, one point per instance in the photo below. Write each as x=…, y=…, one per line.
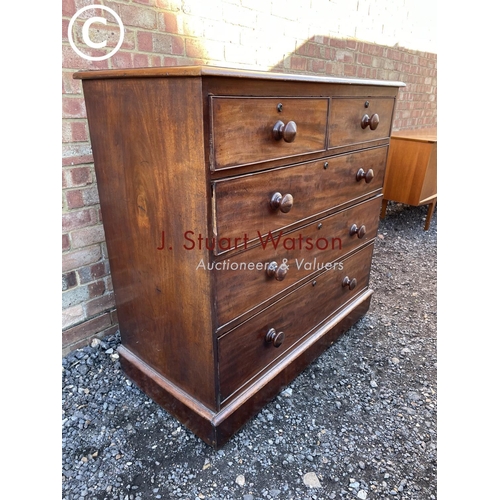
x=430, y=211
x=384, y=208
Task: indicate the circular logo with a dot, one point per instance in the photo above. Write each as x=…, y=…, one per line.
x=85, y=33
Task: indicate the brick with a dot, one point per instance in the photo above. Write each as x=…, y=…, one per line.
x=344, y=56
x=74, y=107
x=298, y=63
x=92, y=272
x=71, y=60
x=78, y=176
x=167, y=21
x=74, y=199
x=328, y=53
x=360, y=72
x=96, y=289
x=145, y=41
x=69, y=84
x=372, y=49
x=394, y=54
x=65, y=242
x=78, y=219
x=90, y=196
x=87, y=236
x=350, y=70
x=140, y=60
x=371, y=72
x=313, y=50
x=337, y=43
x=81, y=257
x=334, y=68
x=69, y=280
x=79, y=198
x=142, y=17
x=68, y=8
x=318, y=66
x=122, y=60
x=168, y=44
x=79, y=132
x=67, y=131
x=109, y=283
x=72, y=315
x=86, y=329
x=65, y=27
x=93, y=12
x=75, y=296
x=100, y=304
x=155, y=61
x=364, y=59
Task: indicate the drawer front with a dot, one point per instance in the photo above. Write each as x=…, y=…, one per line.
x=245, y=351
x=346, y=125
x=247, y=130
x=249, y=204
x=243, y=281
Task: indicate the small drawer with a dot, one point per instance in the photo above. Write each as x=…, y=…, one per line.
x=252, y=346
x=246, y=130
x=249, y=278
x=355, y=120
x=274, y=200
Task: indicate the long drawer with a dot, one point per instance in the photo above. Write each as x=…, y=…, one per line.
x=273, y=200
x=355, y=120
x=245, y=280
x=245, y=130
x=255, y=344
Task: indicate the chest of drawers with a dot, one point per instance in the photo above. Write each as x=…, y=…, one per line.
x=240, y=210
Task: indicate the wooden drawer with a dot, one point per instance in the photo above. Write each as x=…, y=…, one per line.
x=244, y=351
x=346, y=116
x=242, y=281
x=243, y=205
x=242, y=129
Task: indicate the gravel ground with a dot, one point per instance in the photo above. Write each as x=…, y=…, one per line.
x=360, y=422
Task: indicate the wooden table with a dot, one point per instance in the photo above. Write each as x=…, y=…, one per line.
x=411, y=175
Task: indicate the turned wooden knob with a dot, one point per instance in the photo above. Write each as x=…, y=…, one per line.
x=284, y=203
x=277, y=272
x=351, y=283
x=360, y=231
x=286, y=132
x=367, y=176
x=274, y=337
x=371, y=121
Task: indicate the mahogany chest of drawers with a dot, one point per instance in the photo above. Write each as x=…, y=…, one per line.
x=240, y=210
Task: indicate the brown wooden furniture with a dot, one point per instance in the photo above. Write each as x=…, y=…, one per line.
x=240, y=210
x=411, y=175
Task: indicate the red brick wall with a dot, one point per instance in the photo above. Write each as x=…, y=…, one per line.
x=166, y=33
